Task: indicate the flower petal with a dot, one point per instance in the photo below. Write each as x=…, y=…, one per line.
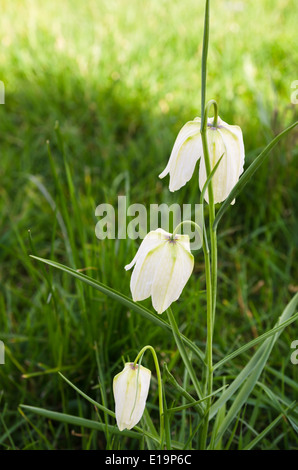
x=143, y=389
x=151, y=240
x=184, y=241
x=216, y=148
x=144, y=273
x=233, y=138
x=172, y=273
x=224, y=140
x=130, y=389
x=186, y=151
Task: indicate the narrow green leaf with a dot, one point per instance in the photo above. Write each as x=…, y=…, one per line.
x=95, y=403
x=183, y=353
x=260, y=436
x=9, y=432
x=149, y=423
x=277, y=402
x=154, y=318
x=167, y=429
x=233, y=432
x=207, y=182
x=77, y=421
x=90, y=424
x=107, y=411
x=218, y=421
x=283, y=378
x=255, y=341
x=249, y=376
x=181, y=390
x=249, y=173
x=37, y=430
x=197, y=402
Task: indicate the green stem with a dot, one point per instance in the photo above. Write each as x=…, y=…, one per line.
x=211, y=282
x=204, y=58
x=209, y=360
x=206, y=112
x=197, y=227
x=212, y=227
x=211, y=271
x=190, y=222
x=213, y=235
x=159, y=380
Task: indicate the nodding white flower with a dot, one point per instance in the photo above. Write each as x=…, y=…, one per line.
x=130, y=387
x=223, y=140
x=163, y=265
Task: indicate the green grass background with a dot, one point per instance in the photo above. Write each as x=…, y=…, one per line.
x=121, y=77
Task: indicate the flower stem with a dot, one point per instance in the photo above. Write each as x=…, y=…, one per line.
x=204, y=59
x=160, y=388
x=211, y=271
x=206, y=112
x=191, y=223
x=209, y=359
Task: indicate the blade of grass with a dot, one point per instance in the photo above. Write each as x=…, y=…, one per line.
x=257, y=357
x=95, y=403
x=90, y=424
x=167, y=423
x=73, y=196
x=168, y=376
x=255, y=341
x=105, y=409
x=258, y=438
x=40, y=434
x=112, y=293
x=183, y=353
x=249, y=375
x=81, y=422
x=218, y=421
x=189, y=405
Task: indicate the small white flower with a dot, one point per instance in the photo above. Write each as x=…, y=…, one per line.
x=163, y=265
x=130, y=387
x=223, y=140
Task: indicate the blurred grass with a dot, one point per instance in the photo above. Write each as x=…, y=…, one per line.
x=121, y=78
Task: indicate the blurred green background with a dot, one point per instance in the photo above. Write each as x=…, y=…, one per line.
x=121, y=77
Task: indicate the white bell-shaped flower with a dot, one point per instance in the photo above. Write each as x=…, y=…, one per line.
x=223, y=140
x=163, y=265
x=130, y=387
